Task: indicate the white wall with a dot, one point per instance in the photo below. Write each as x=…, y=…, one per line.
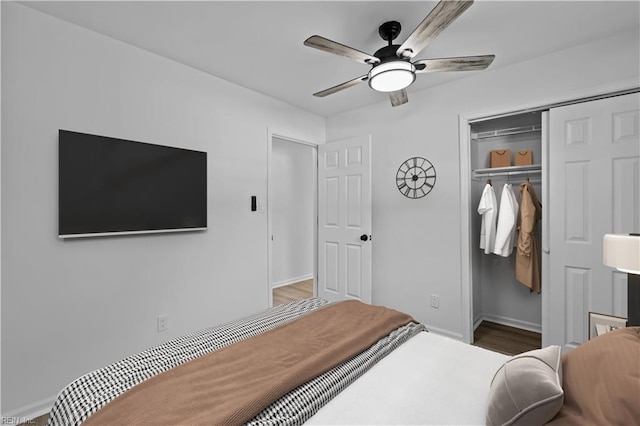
x=72, y=306
x=416, y=251
x=292, y=203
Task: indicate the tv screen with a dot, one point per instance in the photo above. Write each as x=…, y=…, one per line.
x=109, y=185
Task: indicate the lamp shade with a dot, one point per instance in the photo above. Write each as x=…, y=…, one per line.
x=622, y=251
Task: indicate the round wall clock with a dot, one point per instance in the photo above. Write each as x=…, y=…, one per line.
x=416, y=177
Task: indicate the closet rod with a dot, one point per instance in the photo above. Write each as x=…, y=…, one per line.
x=532, y=178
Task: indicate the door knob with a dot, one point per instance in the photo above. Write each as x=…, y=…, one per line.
x=364, y=237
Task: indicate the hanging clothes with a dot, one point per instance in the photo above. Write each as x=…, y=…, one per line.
x=528, y=252
x=488, y=208
x=506, y=227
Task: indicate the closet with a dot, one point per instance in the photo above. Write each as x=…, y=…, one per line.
x=496, y=294
x=586, y=174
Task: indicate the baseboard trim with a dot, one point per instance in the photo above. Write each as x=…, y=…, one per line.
x=30, y=411
x=477, y=321
x=512, y=322
x=291, y=281
x=443, y=332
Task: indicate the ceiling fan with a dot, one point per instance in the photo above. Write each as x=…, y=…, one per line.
x=392, y=70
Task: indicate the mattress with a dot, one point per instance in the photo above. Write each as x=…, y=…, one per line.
x=430, y=379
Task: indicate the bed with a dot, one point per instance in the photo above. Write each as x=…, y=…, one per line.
x=396, y=373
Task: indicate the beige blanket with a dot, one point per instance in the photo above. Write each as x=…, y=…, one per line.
x=231, y=385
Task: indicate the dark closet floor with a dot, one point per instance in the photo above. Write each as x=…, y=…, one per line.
x=505, y=339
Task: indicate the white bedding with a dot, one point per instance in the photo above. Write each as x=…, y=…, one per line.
x=430, y=379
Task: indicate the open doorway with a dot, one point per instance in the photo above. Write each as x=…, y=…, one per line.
x=292, y=292
x=292, y=220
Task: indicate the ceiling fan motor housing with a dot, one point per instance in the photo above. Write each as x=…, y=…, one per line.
x=388, y=53
x=393, y=72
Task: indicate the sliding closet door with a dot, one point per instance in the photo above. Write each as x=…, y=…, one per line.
x=594, y=176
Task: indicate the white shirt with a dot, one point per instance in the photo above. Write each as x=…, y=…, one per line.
x=506, y=227
x=488, y=209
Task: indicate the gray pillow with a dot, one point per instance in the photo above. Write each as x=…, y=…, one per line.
x=527, y=389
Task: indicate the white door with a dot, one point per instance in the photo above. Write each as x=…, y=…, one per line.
x=594, y=180
x=344, y=219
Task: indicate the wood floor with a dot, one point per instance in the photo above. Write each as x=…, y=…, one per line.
x=291, y=292
x=505, y=339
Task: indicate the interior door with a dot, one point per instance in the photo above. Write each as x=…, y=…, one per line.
x=594, y=177
x=344, y=219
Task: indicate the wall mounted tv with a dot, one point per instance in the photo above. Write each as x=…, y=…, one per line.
x=114, y=186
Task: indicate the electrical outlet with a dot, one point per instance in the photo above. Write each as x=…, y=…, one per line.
x=163, y=322
x=435, y=301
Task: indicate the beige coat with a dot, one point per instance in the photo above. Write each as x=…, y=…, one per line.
x=528, y=252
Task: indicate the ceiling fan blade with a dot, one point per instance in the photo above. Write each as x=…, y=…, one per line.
x=462, y=63
x=342, y=86
x=437, y=20
x=398, y=97
x=321, y=43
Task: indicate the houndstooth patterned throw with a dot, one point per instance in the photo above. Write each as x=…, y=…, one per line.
x=87, y=394
x=300, y=404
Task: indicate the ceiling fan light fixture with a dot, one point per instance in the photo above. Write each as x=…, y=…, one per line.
x=392, y=76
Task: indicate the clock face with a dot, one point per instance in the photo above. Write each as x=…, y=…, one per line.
x=416, y=177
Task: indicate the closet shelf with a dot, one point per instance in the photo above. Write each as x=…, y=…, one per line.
x=534, y=170
x=506, y=132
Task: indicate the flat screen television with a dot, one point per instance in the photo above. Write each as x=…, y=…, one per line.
x=114, y=186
